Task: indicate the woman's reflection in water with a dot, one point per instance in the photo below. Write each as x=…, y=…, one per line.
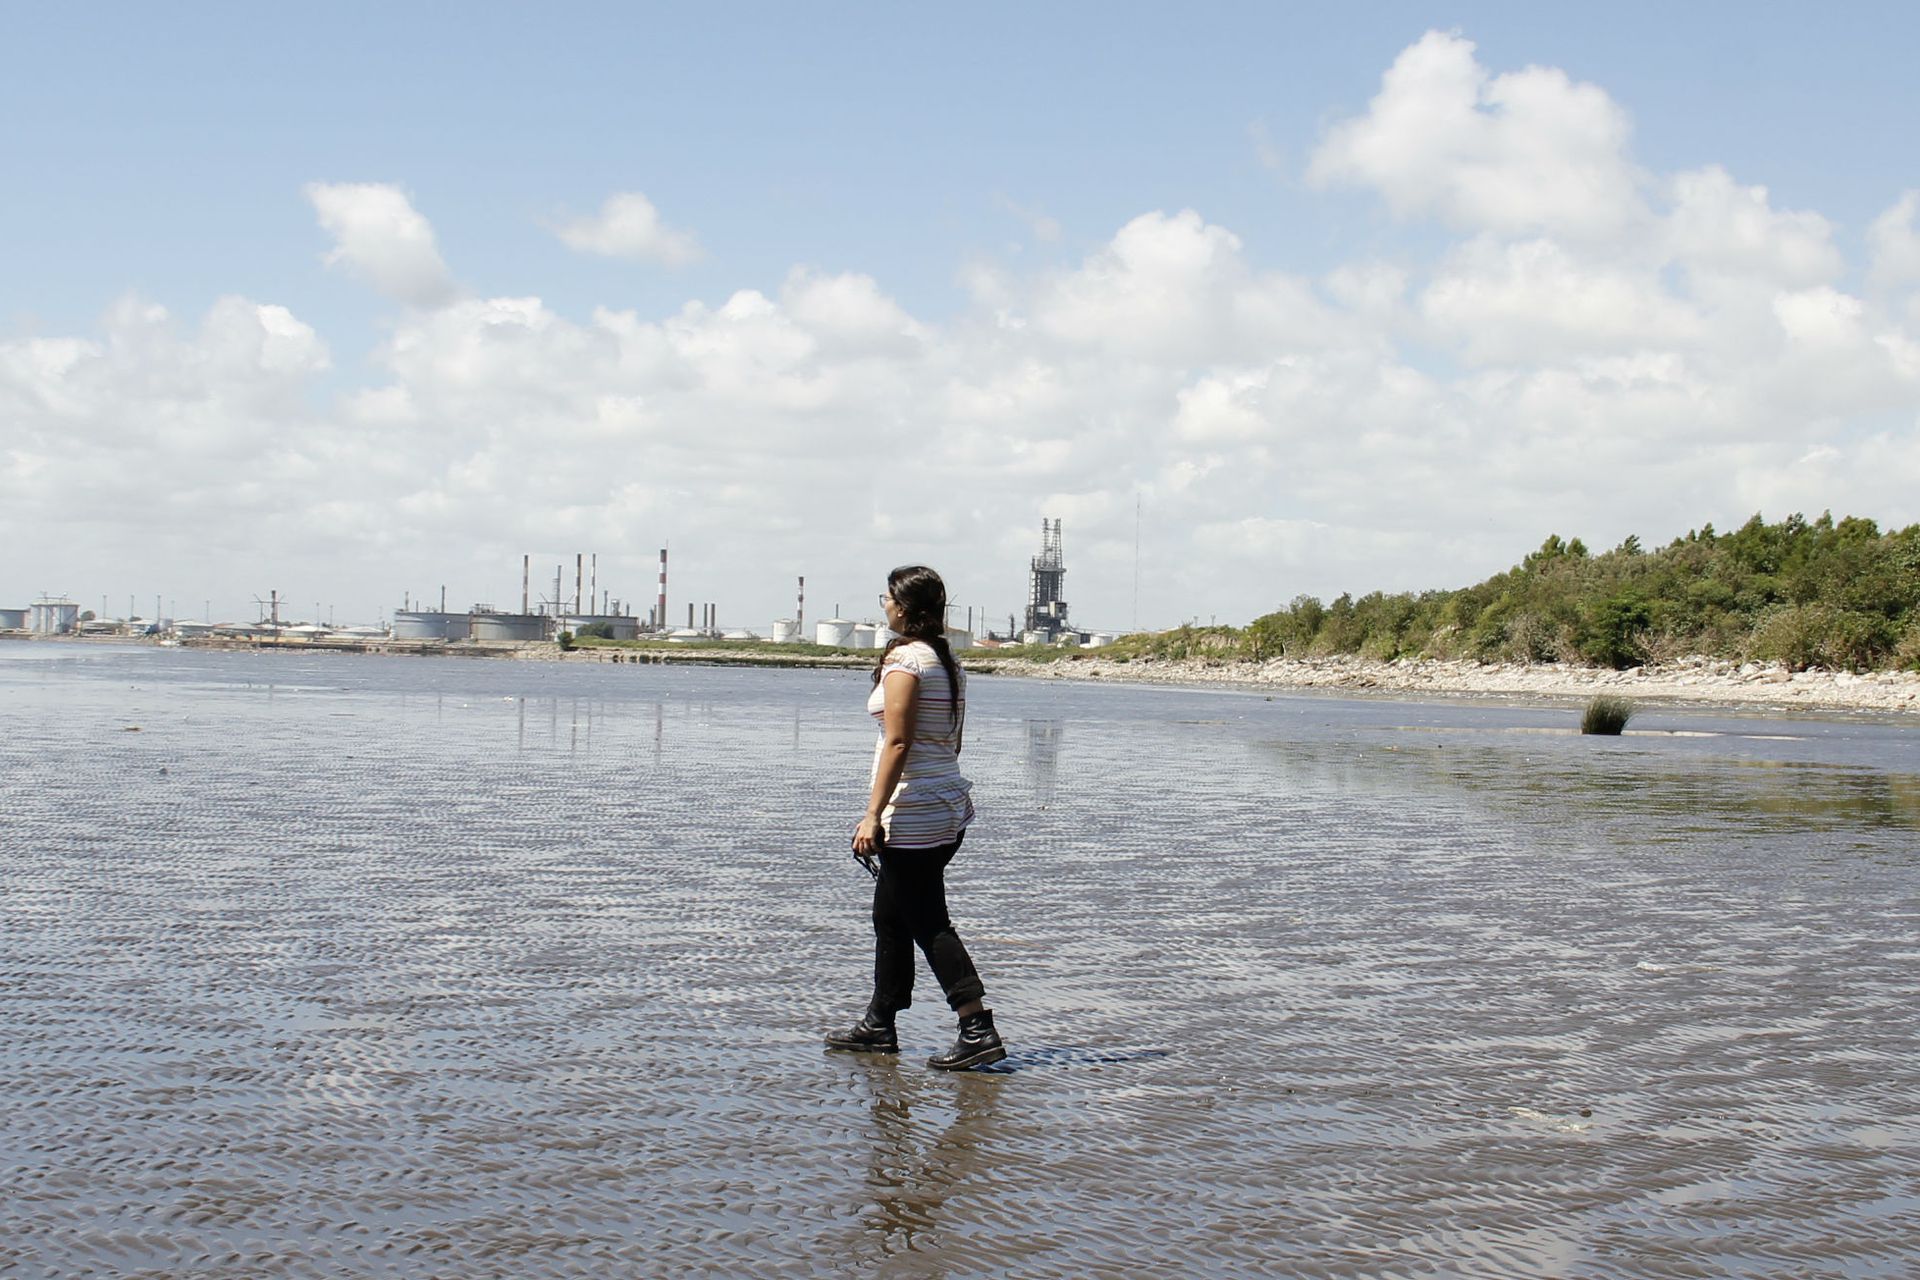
x=931, y=1136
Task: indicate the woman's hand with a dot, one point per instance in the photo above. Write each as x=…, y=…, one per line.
x=868, y=837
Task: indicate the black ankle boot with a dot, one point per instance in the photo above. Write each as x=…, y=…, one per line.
x=872, y=1034
x=978, y=1045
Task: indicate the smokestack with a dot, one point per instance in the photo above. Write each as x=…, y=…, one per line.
x=660, y=609
x=526, y=570
x=689, y=615
x=593, y=582
x=579, y=565
x=800, y=611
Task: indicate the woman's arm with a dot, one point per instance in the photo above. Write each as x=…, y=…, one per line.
x=897, y=718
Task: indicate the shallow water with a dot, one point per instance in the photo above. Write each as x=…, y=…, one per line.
x=345, y=966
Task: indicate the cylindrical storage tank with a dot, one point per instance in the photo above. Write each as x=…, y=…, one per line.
x=516, y=627
x=13, y=619
x=836, y=632
x=882, y=637
x=52, y=617
x=785, y=631
x=863, y=635
x=419, y=624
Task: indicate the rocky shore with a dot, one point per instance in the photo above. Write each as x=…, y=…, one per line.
x=1701, y=680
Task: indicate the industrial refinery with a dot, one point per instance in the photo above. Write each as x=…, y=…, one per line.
x=586, y=611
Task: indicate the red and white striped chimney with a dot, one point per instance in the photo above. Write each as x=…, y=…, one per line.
x=660, y=611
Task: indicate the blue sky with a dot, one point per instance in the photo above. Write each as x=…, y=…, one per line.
x=165, y=153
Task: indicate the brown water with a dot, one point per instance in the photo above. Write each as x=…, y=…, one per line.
x=366, y=967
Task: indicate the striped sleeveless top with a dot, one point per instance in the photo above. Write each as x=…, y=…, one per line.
x=933, y=803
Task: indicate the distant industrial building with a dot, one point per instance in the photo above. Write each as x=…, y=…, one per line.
x=52, y=617
x=1046, y=606
x=13, y=619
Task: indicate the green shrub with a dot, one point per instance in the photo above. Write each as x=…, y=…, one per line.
x=1529, y=638
x=566, y=641
x=1380, y=646
x=595, y=631
x=1818, y=635
x=1612, y=632
x=1606, y=715
x=1906, y=654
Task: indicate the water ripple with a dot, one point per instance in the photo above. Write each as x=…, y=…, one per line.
x=350, y=967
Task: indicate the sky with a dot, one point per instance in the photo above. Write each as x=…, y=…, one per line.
x=360, y=303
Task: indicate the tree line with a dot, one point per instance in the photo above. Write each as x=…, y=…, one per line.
x=1807, y=593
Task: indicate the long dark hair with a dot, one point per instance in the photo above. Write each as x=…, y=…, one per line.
x=922, y=599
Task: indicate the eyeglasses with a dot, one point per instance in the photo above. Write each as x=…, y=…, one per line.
x=885, y=599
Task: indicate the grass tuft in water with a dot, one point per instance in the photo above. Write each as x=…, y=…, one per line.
x=1606, y=715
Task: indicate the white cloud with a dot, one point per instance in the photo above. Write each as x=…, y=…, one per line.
x=380, y=237
x=628, y=226
x=1177, y=288
x=1158, y=285
x=1894, y=245
x=1223, y=407
x=1536, y=301
x=1421, y=421
x=1530, y=150
x=1721, y=228
x=1821, y=317
x=849, y=315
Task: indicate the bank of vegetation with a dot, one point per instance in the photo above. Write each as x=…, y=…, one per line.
x=1803, y=593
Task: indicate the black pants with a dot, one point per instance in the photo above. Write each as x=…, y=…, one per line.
x=910, y=908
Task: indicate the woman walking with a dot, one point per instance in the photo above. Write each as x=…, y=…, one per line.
x=917, y=814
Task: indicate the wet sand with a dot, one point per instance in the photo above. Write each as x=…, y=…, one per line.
x=319, y=967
